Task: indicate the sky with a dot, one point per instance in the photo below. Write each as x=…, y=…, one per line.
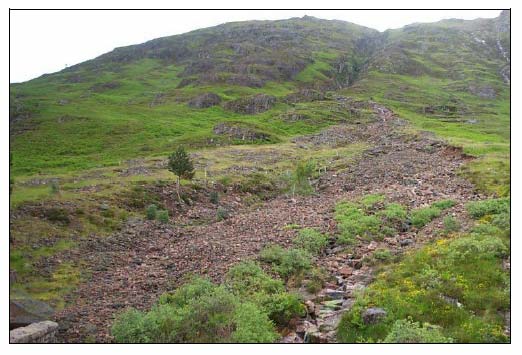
x=47, y=41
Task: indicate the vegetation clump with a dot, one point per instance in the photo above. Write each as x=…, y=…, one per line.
x=287, y=262
x=455, y=284
x=311, y=240
x=198, y=312
x=405, y=331
x=181, y=165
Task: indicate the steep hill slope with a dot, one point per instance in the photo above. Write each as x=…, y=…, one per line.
x=269, y=111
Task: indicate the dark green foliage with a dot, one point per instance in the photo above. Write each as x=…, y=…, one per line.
x=58, y=215
x=494, y=206
x=444, y=204
x=199, y=312
x=382, y=254
x=151, y=212
x=214, y=197
x=180, y=164
x=409, y=332
x=422, y=216
x=287, y=263
x=163, y=216
x=248, y=281
x=300, y=180
x=352, y=222
x=311, y=240
x=247, y=278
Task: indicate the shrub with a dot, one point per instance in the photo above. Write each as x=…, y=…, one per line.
x=311, y=240
x=257, y=183
x=198, y=312
x=252, y=325
x=443, y=204
x=370, y=202
x=249, y=282
x=282, y=307
x=214, y=197
x=394, y=214
x=488, y=207
x=151, y=212
x=163, y=216
x=382, y=254
x=287, y=263
x=222, y=214
x=450, y=224
x=300, y=180
x=247, y=278
x=316, y=280
x=477, y=246
x=407, y=331
x=422, y=216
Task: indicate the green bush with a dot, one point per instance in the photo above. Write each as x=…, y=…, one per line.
x=252, y=325
x=443, y=204
x=214, y=197
x=352, y=222
x=281, y=307
x=488, y=207
x=450, y=224
x=382, y=254
x=151, y=212
x=163, y=216
x=287, y=263
x=407, y=331
x=300, y=179
x=198, y=312
x=316, y=280
x=371, y=202
x=247, y=278
x=422, y=216
x=311, y=240
x=249, y=282
x=394, y=214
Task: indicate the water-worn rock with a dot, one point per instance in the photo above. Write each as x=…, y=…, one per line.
x=373, y=315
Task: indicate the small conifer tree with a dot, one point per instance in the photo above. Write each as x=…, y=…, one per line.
x=181, y=165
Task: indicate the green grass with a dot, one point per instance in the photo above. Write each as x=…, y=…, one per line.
x=427, y=284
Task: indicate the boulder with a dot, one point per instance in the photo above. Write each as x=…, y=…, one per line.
x=23, y=312
x=373, y=315
x=205, y=100
x=251, y=105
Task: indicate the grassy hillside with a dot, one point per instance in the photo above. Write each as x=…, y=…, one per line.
x=88, y=146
